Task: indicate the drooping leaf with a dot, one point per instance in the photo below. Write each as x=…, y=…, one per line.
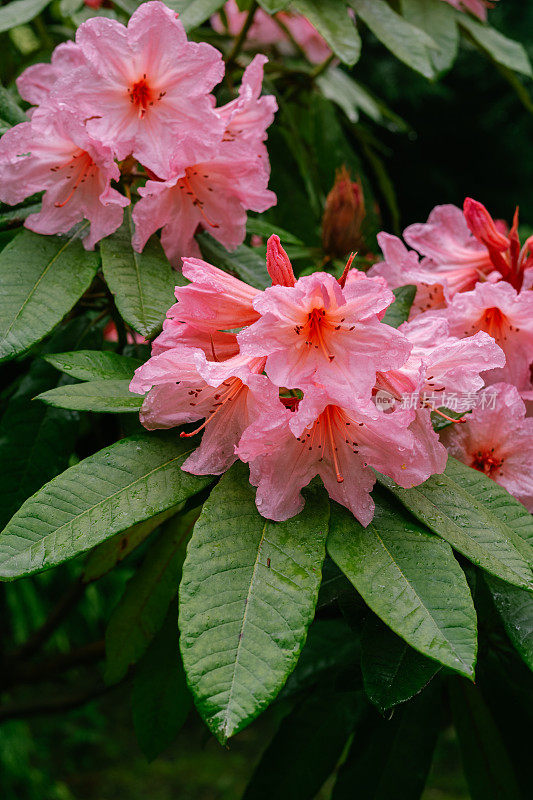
x=515, y=607
x=392, y=671
x=502, y=50
x=20, y=11
x=94, y=365
x=160, y=698
x=486, y=763
x=245, y=262
x=438, y=20
x=391, y=758
x=410, y=579
x=111, y=552
x=409, y=44
x=331, y=19
x=103, y=396
x=265, y=229
x=449, y=507
x=307, y=746
x=143, y=606
x=41, y=278
x=352, y=97
x=128, y=482
x=398, y=311
x=273, y=6
x=247, y=596
x=142, y=283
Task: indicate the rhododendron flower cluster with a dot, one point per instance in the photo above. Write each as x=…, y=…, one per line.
x=277, y=30
x=286, y=378
x=140, y=93
x=475, y=277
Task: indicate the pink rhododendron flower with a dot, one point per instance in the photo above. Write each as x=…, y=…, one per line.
x=318, y=330
x=265, y=32
x=183, y=386
x=507, y=316
x=35, y=83
x=215, y=194
x=55, y=152
x=288, y=449
x=145, y=88
x=476, y=7
x=497, y=440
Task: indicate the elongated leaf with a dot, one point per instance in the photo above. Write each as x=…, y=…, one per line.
x=93, y=365
x=391, y=758
x=411, y=45
x=41, y=277
x=247, y=596
x=245, y=262
x=20, y=11
x=398, y=312
x=392, y=671
x=111, y=396
x=300, y=756
x=515, y=607
x=504, y=51
x=194, y=12
x=111, y=552
x=143, y=606
x=486, y=763
x=340, y=88
x=142, y=283
x=447, y=505
x=438, y=20
x=160, y=698
x=331, y=19
x=106, y=493
x=411, y=580
x=263, y=228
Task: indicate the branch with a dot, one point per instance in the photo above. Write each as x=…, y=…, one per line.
x=52, y=705
x=239, y=41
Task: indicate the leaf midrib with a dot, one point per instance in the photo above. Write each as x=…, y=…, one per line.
x=41, y=277
x=91, y=508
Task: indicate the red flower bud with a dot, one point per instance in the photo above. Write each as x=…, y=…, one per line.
x=343, y=216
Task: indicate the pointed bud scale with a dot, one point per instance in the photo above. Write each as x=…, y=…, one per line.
x=278, y=263
x=483, y=226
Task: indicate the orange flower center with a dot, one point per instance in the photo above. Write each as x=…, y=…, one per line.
x=143, y=96
x=485, y=461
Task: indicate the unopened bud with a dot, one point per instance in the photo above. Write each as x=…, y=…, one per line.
x=343, y=216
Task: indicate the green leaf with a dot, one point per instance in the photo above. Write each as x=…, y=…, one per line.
x=407, y=43
x=247, y=597
x=449, y=507
x=93, y=365
x=265, y=229
x=515, y=607
x=486, y=763
x=438, y=20
x=272, y=6
x=111, y=552
x=20, y=11
x=352, y=97
x=331, y=19
x=143, y=606
x=244, y=262
x=142, y=283
x=392, y=671
x=398, y=312
x=306, y=747
x=102, y=396
x=123, y=484
x=194, y=12
x=10, y=111
x=410, y=579
x=160, y=698
x=390, y=758
x=41, y=278
x=502, y=50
